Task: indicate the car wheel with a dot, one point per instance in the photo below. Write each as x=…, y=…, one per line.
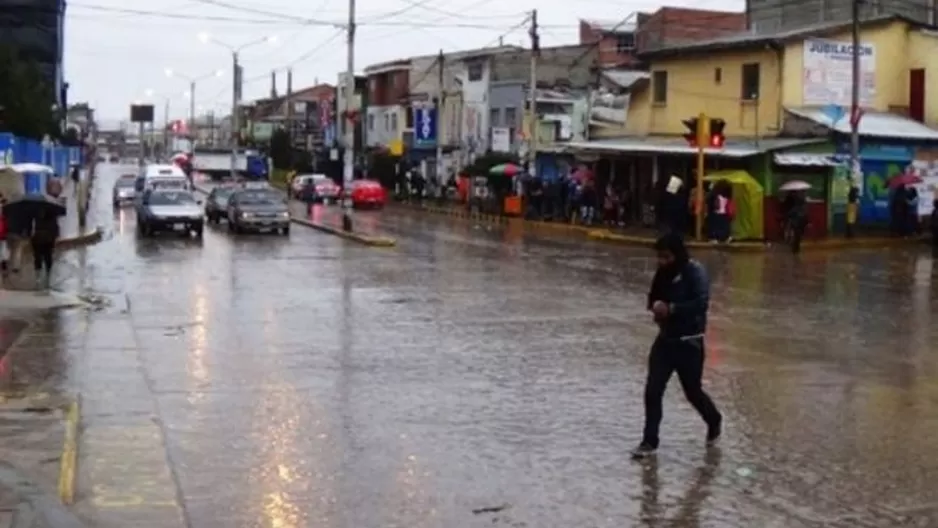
x=198, y=231
x=285, y=231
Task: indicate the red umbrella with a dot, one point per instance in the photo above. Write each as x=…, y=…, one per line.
x=582, y=174
x=904, y=179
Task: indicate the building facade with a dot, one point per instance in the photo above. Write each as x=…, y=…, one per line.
x=36, y=28
x=769, y=16
x=388, y=88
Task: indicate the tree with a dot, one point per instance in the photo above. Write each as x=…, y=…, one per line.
x=26, y=101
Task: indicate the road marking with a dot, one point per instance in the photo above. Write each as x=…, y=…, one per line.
x=69, y=459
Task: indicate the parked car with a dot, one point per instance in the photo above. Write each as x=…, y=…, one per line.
x=168, y=210
x=368, y=194
x=216, y=205
x=124, y=190
x=258, y=209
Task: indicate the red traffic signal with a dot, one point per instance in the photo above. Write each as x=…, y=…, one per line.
x=717, y=139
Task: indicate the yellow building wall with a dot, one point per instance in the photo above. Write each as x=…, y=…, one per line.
x=923, y=53
x=892, y=70
x=693, y=88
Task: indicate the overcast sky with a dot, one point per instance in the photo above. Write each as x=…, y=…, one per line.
x=116, y=51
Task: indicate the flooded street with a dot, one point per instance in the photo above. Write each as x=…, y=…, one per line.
x=484, y=376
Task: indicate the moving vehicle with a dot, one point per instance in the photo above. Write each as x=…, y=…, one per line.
x=124, y=189
x=216, y=205
x=161, y=176
x=368, y=194
x=169, y=210
x=315, y=188
x=258, y=209
x=216, y=163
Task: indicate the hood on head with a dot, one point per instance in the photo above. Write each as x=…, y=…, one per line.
x=673, y=243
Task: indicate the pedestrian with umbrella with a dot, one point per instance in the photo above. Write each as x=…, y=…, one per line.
x=37, y=217
x=679, y=300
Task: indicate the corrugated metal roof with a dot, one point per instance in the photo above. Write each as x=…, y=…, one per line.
x=872, y=124
x=670, y=145
x=625, y=78
x=747, y=39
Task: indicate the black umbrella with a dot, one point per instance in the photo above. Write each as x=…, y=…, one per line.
x=27, y=208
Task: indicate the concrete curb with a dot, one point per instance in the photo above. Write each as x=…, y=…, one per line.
x=373, y=241
x=85, y=239
x=498, y=219
x=69, y=460
x=47, y=510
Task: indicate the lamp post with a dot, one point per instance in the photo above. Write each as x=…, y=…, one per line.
x=192, y=82
x=236, y=79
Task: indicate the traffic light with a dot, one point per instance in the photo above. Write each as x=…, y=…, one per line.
x=691, y=136
x=706, y=132
x=717, y=139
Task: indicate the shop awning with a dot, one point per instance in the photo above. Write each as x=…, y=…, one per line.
x=671, y=145
x=807, y=159
x=872, y=124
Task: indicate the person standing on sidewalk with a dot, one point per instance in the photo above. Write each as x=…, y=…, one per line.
x=4, y=250
x=679, y=299
x=45, y=233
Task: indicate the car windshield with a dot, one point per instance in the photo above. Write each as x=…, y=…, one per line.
x=171, y=198
x=126, y=181
x=319, y=180
x=259, y=198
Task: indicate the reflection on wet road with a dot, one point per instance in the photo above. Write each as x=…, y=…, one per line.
x=480, y=376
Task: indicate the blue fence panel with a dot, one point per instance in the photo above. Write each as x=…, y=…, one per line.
x=32, y=151
x=7, y=148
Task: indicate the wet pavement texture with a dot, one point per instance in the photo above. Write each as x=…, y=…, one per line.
x=488, y=376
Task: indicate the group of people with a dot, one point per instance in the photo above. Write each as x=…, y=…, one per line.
x=677, y=208
x=577, y=200
x=39, y=233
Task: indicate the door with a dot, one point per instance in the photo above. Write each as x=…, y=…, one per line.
x=917, y=95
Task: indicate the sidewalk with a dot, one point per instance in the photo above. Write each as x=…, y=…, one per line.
x=32, y=437
x=645, y=237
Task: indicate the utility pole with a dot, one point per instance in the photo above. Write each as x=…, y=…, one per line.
x=192, y=125
x=289, y=100
x=235, y=118
x=532, y=96
x=349, y=120
x=166, y=127
x=439, y=103
x=855, y=98
x=703, y=139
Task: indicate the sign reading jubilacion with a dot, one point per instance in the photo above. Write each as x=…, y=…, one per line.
x=828, y=73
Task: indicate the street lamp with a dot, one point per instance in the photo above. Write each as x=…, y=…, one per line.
x=191, y=94
x=236, y=79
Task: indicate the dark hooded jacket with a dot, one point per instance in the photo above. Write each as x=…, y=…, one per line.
x=684, y=287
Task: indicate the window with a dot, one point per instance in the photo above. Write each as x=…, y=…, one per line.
x=625, y=42
x=409, y=118
x=659, y=83
x=718, y=75
x=393, y=122
x=371, y=123
x=474, y=71
x=387, y=122
x=511, y=117
x=750, y=87
x=495, y=117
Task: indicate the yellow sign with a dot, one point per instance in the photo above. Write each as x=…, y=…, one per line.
x=396, y=147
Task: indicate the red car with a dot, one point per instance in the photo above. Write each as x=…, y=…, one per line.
x=368, y=194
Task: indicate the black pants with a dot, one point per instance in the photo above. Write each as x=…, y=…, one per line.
x=42, y=255
x=687, y=359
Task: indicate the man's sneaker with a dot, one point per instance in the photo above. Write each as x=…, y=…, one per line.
x=644, y=450
x=714, y=432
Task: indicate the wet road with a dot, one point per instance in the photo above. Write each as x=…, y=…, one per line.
x=479, y=376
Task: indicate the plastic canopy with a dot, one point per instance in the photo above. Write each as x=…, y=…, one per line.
x=748, y=195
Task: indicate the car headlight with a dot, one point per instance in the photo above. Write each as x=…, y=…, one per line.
x=284, y=215
x=247, y=215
